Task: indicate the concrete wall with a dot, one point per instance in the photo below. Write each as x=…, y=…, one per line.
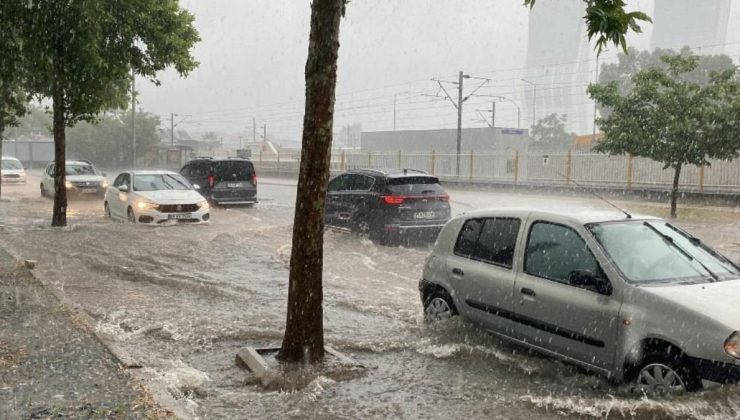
x=445, y=140
x=31, y=153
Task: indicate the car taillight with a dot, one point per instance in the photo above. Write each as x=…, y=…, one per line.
x=211, y=180
x=444, y=198
x=254, y=179
x=393, y=199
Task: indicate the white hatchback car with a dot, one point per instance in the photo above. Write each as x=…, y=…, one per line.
x=632, y=297
x=12, y=171
x=155, y=197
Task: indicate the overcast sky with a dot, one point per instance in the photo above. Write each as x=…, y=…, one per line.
x=253, y=54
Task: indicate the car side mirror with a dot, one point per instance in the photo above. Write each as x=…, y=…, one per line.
x=196, y=186
x=104, y=174
x=123, y=188
x=586, y=279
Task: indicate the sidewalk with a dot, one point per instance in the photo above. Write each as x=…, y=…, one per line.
x=51, y=366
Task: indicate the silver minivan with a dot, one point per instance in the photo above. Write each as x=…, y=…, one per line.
x=634, y=298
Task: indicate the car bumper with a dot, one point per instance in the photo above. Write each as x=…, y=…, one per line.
x=154, y=217
x=414, y=227
x=13, y=180
x=721, y=372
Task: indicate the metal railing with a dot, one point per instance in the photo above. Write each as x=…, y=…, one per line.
x=558, y=169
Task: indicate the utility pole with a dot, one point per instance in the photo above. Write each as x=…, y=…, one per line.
x=459, y=121
x=534, y=101
x=254, y=129
x=133, y=117
x=493, y=114
x=264, y=130
x=172, y=128
x=593, y=135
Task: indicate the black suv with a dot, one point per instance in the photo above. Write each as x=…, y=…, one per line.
x=223, y=181
x=385, y=205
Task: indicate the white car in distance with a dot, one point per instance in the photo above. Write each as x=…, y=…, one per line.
x=155, y=197
x=12, y=171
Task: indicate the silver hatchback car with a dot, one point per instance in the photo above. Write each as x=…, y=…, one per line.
x=634, y=298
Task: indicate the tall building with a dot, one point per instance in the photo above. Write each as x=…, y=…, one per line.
x=560, y=64
x=690, y=22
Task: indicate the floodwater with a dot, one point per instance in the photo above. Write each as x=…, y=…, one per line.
x=181, y=301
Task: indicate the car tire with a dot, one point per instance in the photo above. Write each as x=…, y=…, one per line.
x=438, y=306
x=106, y=210
x=130, y=215
x=662, y=375
x=363, y=228
x=43, y=191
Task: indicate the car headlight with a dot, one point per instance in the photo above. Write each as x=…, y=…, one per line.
x=204, y=205
x=732, y=345
x=68, y=184
x=145, y=205
x=104, y=184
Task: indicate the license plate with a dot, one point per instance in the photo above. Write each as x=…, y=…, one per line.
x=233, y=185
x=425, y=215
x=89, y=190
x=180, y=216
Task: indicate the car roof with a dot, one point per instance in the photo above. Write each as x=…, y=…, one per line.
x=573, y=214
x=153, y=172
x=9, y=158
x=390, y=173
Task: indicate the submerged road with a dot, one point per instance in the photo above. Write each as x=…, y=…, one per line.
x=182, y=300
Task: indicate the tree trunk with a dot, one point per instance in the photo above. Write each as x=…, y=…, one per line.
x=304, y=329
x=59, y=215
x=674, y=189
x=2, y=132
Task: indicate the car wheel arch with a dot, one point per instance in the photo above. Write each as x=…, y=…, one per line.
x=650, y=346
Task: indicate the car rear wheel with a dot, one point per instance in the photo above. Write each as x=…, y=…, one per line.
x=439, y=306
x=663, y=375
x=131, y=216
x=363, y=228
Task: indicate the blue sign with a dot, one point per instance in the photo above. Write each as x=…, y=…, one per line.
x=514, y=131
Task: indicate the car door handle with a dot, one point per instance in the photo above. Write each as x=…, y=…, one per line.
x=458, y=271
x=527, y=291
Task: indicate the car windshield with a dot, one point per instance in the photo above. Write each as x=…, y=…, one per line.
x=159, y=182
x=11, y=164
x=415, y=185
x=656, y=251
x=233, y=171
x=80, y=170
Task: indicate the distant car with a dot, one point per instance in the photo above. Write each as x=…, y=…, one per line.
x=634, y=298
x=385, y=205
x=12, y=171
x=155, y=197
x=223, y=181
x=82, y=179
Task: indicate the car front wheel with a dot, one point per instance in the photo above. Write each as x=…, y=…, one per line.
x=664, y=375
x=439, y=306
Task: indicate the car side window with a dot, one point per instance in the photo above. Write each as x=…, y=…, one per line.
x=466, y=241
x=491, y=240
x=118, y=181
x=338, y=184
x=361, y=182
x=199, y=170
x=497, y=241
x=185, y=171
x=50, y=170
x=555, y=251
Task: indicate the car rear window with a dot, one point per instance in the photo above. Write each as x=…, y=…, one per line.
x=233, y=171
x=415, y=185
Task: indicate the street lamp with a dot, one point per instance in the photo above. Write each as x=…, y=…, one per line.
x=534, y=101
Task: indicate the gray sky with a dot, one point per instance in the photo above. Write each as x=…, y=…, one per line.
x=253, y=54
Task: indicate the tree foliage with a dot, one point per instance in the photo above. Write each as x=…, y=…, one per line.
x=80, y=53
x=667, y=118
x=109, y=141
x=608, y=22
x=550, y=132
